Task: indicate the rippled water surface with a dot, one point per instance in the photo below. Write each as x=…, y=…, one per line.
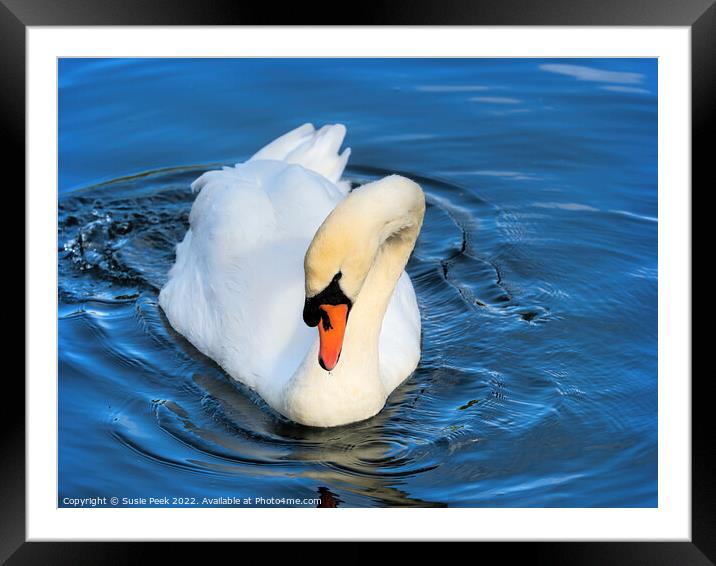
x=536, y=276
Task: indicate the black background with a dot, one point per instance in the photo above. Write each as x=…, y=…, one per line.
x=15, y=15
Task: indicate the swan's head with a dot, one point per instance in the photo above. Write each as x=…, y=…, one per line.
x=345, y=247
x=335, y=268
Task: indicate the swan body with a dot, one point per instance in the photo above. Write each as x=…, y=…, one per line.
x=280, y=242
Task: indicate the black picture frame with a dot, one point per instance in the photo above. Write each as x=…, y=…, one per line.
x=16, y=15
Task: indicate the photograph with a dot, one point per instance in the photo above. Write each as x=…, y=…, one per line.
x=357, y=282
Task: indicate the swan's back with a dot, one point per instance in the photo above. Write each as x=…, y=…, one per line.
x=236, y=290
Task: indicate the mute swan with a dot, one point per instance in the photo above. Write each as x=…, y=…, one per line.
x=277, y=245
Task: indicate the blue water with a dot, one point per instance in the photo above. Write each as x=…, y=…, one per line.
x=536, y=276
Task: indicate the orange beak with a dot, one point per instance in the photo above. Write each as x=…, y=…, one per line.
x=331, y=329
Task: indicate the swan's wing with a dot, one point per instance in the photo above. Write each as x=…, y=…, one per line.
x=236, y=290
x=313, y=149
x=279, y=148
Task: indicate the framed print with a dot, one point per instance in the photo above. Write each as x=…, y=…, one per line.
x=434, y=273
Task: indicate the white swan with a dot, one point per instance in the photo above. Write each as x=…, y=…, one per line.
x=278, y=244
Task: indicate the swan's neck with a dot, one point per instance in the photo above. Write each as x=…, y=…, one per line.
x=354, y=390
x=360, y=355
